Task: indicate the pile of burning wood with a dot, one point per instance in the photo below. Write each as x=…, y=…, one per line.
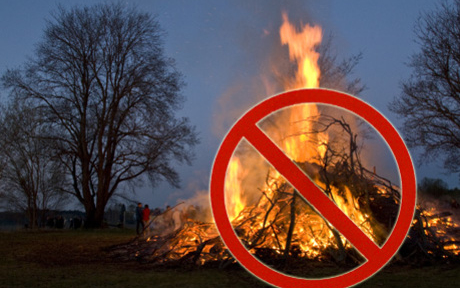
x=280, y=227
x=274, y=222
x=434, y=237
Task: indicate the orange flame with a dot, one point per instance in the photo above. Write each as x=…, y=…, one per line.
x=234, y=199
x=301, y=146
x=302, y=45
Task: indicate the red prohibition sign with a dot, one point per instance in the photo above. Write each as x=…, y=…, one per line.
x=246, y=127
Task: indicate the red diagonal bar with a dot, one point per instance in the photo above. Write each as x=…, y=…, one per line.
x=302, y=183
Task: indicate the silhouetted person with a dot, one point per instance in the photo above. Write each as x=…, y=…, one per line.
x=59, y=222
x=76, y=222
x=50, y=222
x=139, y=223
x=122, y=215
x=146, y=215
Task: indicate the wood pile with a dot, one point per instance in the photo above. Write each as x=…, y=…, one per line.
x=281, y=228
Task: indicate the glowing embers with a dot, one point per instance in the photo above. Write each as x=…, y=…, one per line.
x=435, y=232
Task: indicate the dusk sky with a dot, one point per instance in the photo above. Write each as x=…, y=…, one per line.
x=220, y=45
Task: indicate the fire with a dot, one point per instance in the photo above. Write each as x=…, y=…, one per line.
x=302, y=45
x=272, y=219
x=441, y=226
x=310, y=233
x=234, y=200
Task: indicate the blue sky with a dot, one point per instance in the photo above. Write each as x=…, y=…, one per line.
x=218, y=44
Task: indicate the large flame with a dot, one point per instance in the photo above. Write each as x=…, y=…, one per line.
x=302, y=44
x=301, y=147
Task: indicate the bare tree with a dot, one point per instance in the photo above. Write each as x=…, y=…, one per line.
x=101, y=78
x=31, y=178
x=337, y=73
x=430, y=99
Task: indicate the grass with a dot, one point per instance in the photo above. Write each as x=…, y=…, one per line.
x=78, y=259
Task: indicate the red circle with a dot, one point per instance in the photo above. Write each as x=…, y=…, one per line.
x=318, y=96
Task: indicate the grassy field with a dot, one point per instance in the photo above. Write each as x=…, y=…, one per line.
x=78, y=259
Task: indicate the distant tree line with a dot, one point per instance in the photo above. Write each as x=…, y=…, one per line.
x=16, y=219
x=437, y=188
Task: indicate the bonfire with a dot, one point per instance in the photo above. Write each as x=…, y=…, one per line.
x=270, y=217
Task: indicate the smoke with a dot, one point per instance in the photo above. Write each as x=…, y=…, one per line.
x=264, y=60
x=200, y=202
x=261, y=72
x=267, y=70
x=200, y=198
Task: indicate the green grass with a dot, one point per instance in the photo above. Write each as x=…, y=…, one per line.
x=78, y=259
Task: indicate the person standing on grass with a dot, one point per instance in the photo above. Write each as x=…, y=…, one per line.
x=139, y=218
x=146, y=215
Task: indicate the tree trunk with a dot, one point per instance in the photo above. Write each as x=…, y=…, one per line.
x=31, y=211
x=95, y=212
x=94, y=218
